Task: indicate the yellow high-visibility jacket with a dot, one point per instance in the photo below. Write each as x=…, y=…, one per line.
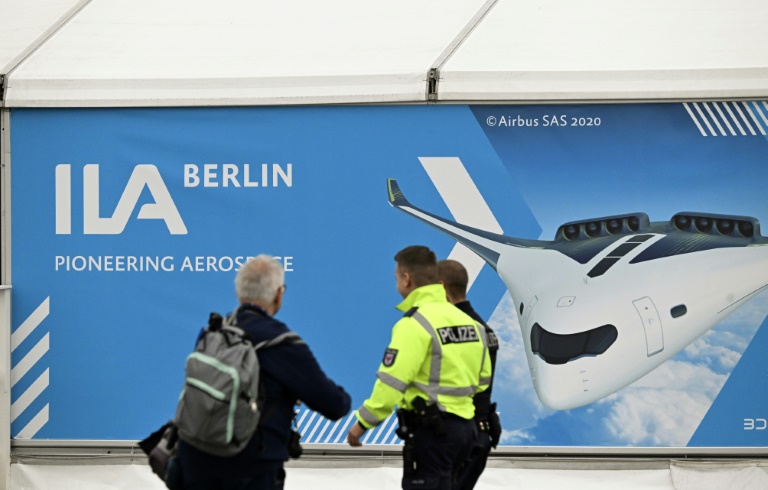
x=437, y=352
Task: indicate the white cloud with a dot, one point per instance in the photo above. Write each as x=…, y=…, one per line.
x=516, y=437
x=722, y=347
x=664, y=407
x=656, y=417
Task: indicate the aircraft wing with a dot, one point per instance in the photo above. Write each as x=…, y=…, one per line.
x=485, y=244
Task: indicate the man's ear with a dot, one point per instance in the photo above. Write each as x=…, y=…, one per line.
x=278, y=300
x=447, y=294
x=407, y=278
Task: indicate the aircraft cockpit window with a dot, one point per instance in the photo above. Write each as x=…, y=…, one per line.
x=559, y=349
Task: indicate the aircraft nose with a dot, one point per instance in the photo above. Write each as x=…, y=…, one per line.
x=564, y=390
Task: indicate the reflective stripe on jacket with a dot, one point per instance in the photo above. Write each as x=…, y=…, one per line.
x=437, y=352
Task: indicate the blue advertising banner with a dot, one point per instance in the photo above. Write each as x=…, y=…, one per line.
x=638, y=323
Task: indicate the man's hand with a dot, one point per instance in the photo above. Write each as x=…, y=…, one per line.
x=354, y=435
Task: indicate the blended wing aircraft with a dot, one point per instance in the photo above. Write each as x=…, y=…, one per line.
x=610, y=299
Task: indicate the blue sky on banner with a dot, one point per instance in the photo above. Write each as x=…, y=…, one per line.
x=579, y=162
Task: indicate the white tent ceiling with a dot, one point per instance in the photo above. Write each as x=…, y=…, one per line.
x=607, y=49
x=237, y=52
x=24, y=23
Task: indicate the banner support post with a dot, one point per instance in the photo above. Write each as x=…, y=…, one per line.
x=5, y=388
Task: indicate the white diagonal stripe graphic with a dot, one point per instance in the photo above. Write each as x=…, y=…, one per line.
x=389, y=432
x=381, y=430
x=30, y=324
x=735, y=119
x=322, y=432
x=308, y=424
x=303, y=415
x=314, y=428
x=378, y=429
x=34, y=355
x=34, y=425
x=704, y=118
x=30, y=395
x=744, y=118
x=714, y=119
x=696, y=121
x=343, y=431
x=725, y=119
x=465, y=203
x=757, y=123
x=759, y=111
x=333, y=430
x=368, y=435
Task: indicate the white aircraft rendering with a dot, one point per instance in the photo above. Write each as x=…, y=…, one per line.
x=610, y=299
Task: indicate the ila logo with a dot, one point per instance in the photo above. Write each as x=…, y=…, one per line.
x=93, y=224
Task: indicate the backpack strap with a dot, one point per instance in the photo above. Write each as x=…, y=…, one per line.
x=229, y=324
x=287, y=337
x=231, y=331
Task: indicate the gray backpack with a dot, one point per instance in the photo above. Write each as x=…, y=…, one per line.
x=220, y=405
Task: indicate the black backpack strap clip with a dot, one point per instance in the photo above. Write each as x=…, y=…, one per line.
x=214, y=321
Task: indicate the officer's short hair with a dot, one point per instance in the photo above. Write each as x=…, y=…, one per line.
x=420, y=263
x=454, y=277
x=259, y=279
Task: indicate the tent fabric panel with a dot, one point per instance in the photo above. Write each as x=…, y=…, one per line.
x=119, y=44
x=22, y=23
x=599, y=49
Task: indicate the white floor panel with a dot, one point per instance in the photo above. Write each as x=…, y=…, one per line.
x=108, y=477
x=685, y=476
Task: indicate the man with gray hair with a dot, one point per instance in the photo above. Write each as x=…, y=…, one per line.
x=289, y=373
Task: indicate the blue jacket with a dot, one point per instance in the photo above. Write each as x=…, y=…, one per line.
x=289, y=372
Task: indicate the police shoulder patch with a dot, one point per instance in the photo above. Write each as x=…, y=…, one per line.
x=493, y=340
x=389, y=357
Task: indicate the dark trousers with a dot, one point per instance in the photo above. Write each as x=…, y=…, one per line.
x=267, y=480
x=473, y=467
x=439, y=455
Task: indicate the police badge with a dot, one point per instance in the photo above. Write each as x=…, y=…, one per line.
x=389, y=357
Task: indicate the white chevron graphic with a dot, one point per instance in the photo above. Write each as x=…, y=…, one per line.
x=465, y=203
x=25, y=365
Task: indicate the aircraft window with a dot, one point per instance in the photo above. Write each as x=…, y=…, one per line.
x=615, y=255
x=623, y=249
x=559, y=349
x=678, y=311
x=603, y=266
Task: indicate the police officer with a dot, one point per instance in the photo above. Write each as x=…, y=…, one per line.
x=453, y=276
x=436, y=361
